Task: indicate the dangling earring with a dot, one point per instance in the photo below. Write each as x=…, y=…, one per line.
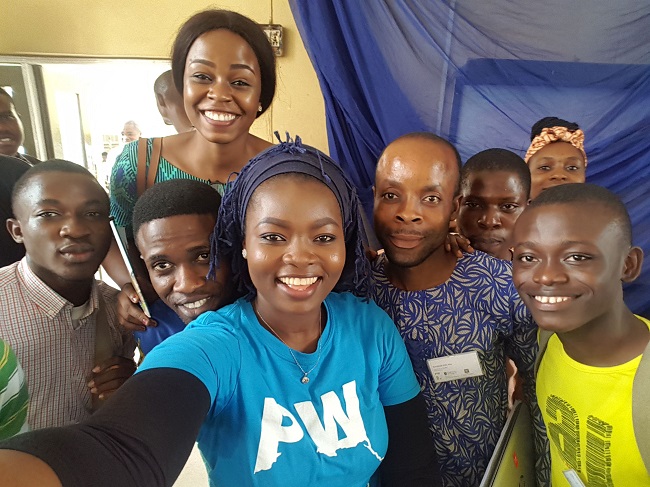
x=244, y=254
x=259, y=108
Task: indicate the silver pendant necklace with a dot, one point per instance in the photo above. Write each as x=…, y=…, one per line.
x=305, y=374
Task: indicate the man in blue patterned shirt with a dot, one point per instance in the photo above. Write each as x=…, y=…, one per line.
x=459, y=316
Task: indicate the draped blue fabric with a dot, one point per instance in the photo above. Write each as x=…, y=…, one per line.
x=480, y=74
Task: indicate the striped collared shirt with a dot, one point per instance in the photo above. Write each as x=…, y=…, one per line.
x=55, y=351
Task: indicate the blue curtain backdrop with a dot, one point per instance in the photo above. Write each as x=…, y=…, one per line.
x=480, y=74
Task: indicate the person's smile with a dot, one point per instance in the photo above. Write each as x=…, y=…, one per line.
x=299, y=287
x=406, y=240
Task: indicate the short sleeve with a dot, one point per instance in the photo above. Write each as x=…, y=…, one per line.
x=397, y=382
x=123, y=186
x=209, y=350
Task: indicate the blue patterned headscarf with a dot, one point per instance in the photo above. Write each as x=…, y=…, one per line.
x=285, y=158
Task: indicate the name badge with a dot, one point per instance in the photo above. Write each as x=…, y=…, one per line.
x=454, y=367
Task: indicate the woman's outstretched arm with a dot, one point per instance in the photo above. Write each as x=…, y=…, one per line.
x=18, y=469
x=143, y=435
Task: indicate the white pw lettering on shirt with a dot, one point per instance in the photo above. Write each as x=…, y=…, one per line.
x=324, y=435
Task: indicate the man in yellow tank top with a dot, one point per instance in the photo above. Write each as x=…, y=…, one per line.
x=573, y=252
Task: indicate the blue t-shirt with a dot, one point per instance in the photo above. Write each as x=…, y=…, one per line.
x=169, y=323
x=265, y=427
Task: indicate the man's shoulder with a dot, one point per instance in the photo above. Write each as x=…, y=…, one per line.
x=378, y=269
x=381, y=289
x=23, y=296
x=9, y=270
x=479, y=266
x=481, y=259
x=105, y=287
x=377, y=264
x=8, y=276
x=108, y=292
x=12, y=169
x=31, y=160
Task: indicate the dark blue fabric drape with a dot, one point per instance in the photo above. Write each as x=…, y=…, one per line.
x=480, y=74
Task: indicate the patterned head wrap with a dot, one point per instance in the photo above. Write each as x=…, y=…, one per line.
x=557, y=134
x=285, y=158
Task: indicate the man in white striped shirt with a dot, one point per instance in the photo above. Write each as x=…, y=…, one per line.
x=60, y=322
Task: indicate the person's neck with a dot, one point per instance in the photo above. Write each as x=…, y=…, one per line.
x=504, y=253
x=77, y=292
x=216, y=162
x=611, y=339
x=298, y=331
x=435, y=270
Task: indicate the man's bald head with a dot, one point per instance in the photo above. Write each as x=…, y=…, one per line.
x=170, y=103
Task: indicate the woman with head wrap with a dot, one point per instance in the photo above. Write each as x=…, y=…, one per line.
x=300, y=382
x=556, y=154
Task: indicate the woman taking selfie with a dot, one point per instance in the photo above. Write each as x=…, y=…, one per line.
x=300, y=382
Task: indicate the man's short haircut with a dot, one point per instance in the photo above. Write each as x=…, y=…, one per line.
x=53, y=165
x=165, y=88
x=433, y=138
x=586, y=193
x=175, y=197
x=163, y=83
x=132, y=123
x=495, y=160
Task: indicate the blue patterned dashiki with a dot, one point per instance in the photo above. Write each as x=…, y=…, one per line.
x=476, y=309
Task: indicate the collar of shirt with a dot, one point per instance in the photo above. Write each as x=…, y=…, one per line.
x=45, y=298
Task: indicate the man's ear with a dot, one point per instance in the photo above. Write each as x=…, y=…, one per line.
x=456, y=207
x=160, y=100
x=162, y=109
x=13, y=227
x=632, y=265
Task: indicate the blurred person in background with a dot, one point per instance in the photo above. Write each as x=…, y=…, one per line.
x=12, y=134
x=170, y=103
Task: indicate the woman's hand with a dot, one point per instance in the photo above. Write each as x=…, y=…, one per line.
x=129, y=314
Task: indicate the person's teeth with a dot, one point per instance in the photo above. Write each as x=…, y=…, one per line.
x=551, y=299
x=196, y=304
x=219, y=116
x=298, y=281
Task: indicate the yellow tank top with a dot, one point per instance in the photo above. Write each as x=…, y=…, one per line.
x=588, y=416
